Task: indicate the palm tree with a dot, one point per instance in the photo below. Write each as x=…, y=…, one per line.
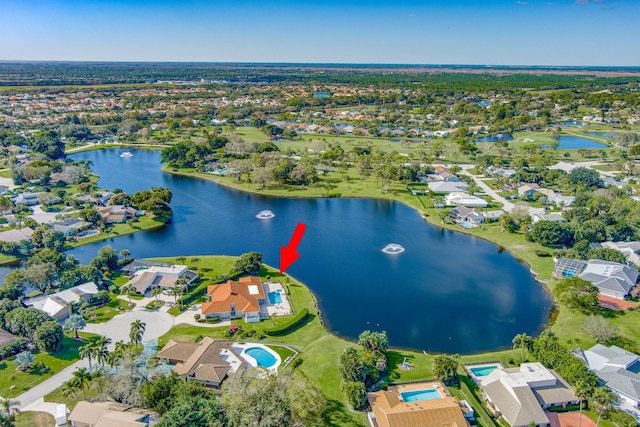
x=8, y=405
x=582, y=391
x=156, y=292
x=70, y=389
x=523, y=342
x=603, y=399
x=137, y=330
x=81, y=378
x=181, y=259
x=101, y=353
x=128, y=290
x=87, y=351
x=124, y=254
x=195, y=260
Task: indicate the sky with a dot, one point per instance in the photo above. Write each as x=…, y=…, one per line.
x=483, y=32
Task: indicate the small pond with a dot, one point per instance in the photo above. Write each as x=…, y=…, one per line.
x=496, y=138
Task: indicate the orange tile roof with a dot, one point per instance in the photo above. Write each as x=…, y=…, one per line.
x=237, y=293
x=390, y=411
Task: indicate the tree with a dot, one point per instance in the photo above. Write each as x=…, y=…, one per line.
x=25, y=321
x=136, y=332
x=195, y=261
x=582, y=391
x=88, y=351
x=107, y=259
x=128, y=290
x=156, y=292
x=124, y=254
x=374, y=341
x=351, y=366
x=603, y=399
x=578, y=294
x=8, y=405
x=549, y=233
x=445, y=367
x=24, y=360
x=81, y=379
x=100, y=349
x=587, y=177
x=74, y=323
x=48, y=336
x=599, y=328
x=524, y=342
x=355, y=393
x=250, y=262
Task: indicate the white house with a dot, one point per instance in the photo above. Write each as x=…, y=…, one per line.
x=160, y=276
x=441, y=187
x=617, y=369
x=464, y=199
x=57, y=305
x=611, y=278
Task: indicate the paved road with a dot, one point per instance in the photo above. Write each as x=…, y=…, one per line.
x=157, y=324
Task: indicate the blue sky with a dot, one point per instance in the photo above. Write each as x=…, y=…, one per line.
x=505, y=32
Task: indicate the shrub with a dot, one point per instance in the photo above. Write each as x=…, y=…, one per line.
x=289, y=326
x=197, y=317
x=13, y=348
x=542, y=254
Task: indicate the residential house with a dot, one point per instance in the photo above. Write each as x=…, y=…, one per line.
x=16, y=235
x=553, y=217
x=388, y=409
x=443, y=187
x=520, y=395
x=460, y=198
x=561, y=201
x=491, y=216
x=62, y=178
x=527, y=190
x=612, y=182
x=116, y=214
x=464, y=214
x=164, y=277
x=631, y=250
x=616, y=368
x=234, y=300
x=70, y=225
x=611, y=278
x=28, y=199
x=107, y=414
x=207, y=362
x=57, y=305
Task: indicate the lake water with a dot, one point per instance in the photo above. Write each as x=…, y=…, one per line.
x=483, y=103
x=570, y=123
x=576, y=142
x=321, y=94
x=446, y=292
x=496, y=138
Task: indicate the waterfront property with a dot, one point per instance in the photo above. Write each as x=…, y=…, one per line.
x=631, y=250
x=458, y=198
x=424, y=404
x=115, y=214
x=58, y=305
x=611, y=278
x=616, y=368
x=207, y=362
x=16, y=235
x=464, y=214
x=477, y=372
x=445, y=187
x=258, y=355
x=145, y=279
x=69, y=226
x=247, y=298
x=520, y=395
x=106, y=414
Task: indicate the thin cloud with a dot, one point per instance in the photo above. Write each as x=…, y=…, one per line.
x=522, y=3
x=586, y=2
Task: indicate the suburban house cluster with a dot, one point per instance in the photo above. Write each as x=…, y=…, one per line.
x=529, y=190
x=145, y=277
x=58, y=305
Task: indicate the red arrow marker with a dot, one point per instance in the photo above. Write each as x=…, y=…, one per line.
x=288, y=254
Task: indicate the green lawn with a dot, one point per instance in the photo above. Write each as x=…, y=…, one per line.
x=145, y=223
x=108, y=311
x=35, y=419
x=23, y=381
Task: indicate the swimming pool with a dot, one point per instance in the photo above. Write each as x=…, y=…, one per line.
x=275, y=297
x=418, y=395
x=483, y=371
x=465, y=224
x=262, y=356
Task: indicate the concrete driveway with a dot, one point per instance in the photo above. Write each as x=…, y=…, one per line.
x=42, y=217
x=157, y=324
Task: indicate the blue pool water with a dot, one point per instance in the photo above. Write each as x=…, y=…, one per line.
x=275, y=297
x=483, y=371
x=465, y=224
x=321, y=94
x=418, y=395
x=262, y=356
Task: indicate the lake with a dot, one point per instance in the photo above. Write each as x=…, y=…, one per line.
x=496, y=138
x=603, y=135
x=447, y=292
x=321, y=94
x=576, y=142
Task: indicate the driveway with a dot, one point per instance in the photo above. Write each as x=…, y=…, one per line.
x=157, y=323
x=42, y=217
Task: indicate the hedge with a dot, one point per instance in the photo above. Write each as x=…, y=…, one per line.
x=289, y=326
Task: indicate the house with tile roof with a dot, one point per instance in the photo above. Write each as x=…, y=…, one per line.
x=164, y=277
x=107, y=414
x=114, y=214
x=617, y=369
x=207, y=362
x=236, y=300
x=520, y=395
x=389, y=410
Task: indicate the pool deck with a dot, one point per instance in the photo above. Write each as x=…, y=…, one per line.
x=425, y=385
x=242, y=346
x=481, y=365
x=267, y=309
